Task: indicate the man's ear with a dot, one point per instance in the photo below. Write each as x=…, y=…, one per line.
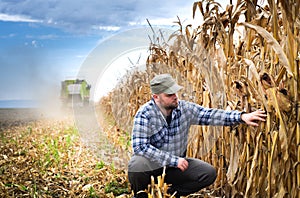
x=155, y=96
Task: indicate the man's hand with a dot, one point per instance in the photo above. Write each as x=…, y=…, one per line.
x=182, y=164
x=253, y=117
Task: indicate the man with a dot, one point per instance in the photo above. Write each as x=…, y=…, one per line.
x=159, y=138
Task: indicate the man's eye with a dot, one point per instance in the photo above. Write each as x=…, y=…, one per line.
x=170, y=95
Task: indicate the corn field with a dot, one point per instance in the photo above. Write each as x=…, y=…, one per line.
x=245, y=57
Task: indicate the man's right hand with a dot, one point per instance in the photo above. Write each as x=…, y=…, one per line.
x=182, y=164
x=254, y=117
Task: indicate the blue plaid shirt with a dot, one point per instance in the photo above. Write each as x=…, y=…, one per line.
x=155, y=139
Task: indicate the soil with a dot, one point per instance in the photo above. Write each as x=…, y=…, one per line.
x=85, y=121
x=21, y=116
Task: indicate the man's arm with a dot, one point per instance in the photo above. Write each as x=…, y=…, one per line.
x=254, y=117
x=220, y=117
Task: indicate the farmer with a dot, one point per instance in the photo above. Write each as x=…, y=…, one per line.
x=159, y=138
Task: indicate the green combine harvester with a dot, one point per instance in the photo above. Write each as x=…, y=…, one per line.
x=75, y=93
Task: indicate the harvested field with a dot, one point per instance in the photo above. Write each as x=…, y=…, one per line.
x=42, y=155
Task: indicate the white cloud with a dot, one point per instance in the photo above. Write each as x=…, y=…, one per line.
x=42, y=37
x=107, y=28
x=17, y=18
x=34, y=43
x=11, y=35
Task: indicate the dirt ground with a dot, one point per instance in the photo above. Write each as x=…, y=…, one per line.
x=19, y=116
x=84, y=120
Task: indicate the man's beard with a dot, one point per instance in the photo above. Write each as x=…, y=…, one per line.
x=171, y=106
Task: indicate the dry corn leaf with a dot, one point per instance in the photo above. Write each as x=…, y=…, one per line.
x=233, y=162
x=274, y=44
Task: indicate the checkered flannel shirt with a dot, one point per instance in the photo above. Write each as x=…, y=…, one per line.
x=163, y=143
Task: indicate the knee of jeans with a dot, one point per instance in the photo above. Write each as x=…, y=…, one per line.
x=141, y=164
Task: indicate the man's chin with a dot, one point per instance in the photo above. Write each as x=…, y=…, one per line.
x=171, y=107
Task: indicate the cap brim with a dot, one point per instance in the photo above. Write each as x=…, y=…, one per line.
x=173, y=89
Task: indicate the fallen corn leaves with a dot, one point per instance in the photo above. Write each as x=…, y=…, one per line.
x=47, y=159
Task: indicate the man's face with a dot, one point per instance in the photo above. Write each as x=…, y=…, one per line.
x=167, y=101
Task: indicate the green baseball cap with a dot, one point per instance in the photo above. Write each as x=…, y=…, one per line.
x=164, y=83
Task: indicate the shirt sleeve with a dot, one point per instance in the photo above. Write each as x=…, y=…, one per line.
x=214, y=117
x=141, y=143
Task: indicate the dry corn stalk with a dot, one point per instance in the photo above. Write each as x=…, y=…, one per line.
x=159, y=189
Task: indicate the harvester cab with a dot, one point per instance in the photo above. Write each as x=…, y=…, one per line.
x=75, y=92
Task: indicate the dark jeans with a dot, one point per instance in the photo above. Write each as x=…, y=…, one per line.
x=198, y=175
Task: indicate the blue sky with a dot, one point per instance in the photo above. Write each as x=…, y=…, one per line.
x=45, y=41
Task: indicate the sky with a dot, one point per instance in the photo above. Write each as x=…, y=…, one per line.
x=43, y=42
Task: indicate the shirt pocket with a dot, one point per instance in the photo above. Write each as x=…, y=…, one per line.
x=160, y=137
